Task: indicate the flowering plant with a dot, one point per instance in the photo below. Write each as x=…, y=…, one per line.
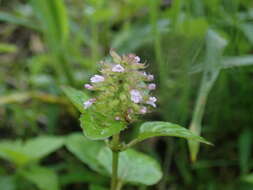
x=122, y=93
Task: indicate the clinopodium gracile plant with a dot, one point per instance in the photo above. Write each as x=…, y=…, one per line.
x=121, y=93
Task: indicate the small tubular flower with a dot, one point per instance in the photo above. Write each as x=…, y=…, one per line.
x=88, y=86
x=97, y=79
x=88, y=103
x=151, y=101
x=152, y=86
x=136, y=96
x=118, y=68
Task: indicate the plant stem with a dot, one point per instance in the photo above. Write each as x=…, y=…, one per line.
x=115, y=161
x=115, y=157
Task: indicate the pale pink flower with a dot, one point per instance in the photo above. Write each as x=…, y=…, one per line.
x=97, y=78
x=143, y=110
x=152, y=86
x=137, y=59
x=118, y=68
x=88, y=103
x=117, y=118
x=88, y=86
x=151, y=101
x=150, y=77
x=136, y=96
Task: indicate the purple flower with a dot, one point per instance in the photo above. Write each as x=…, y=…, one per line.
x=88, y=86
x=143, y=110
x=97, y=78
x=88, y=103
x=151, y=101
x=135, y=96
x=118, y=68
x=150, y=77
x=117, y=118
x=152, y=86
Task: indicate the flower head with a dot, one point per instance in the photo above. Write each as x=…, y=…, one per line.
x=118, y=68
x=121, y=90
x=97, y=78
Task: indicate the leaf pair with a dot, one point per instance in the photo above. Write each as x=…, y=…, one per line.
x=134, y=167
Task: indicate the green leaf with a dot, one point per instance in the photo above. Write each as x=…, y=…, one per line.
x=245, y=149
x=7, y=48
x=134, y=167
x=77, y=97
x=43, y=178
x=13, y=152
x=86, y=150
x=215, y=45
x=7, y=183
x=237, y=61
x=98, y=127
x=19, y=20
x=54, y=20
x=34, y=149
x=97, y=187
x=160, y=128
x=39, y=147
x=248, y=178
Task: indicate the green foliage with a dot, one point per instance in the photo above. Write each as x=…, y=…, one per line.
x=160, y=128
x=192, y=44
x=43, y=178
x=86, y=150
x=215, y=45
x=95, y=126
x=134, y=167
x=22, y=153
x=77, y=97
x=53, y=17
x=98, y=127
x=7, y=183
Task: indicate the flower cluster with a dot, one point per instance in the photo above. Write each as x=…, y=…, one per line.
x=122, y=89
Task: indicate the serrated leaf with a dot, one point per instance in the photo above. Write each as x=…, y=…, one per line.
x=86, y=150
x=98, y=127
x=43, y=178
x=134, y=167
x=160, y=128
x=77, y=97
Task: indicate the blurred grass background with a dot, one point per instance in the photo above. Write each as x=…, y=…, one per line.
x=199, y=51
